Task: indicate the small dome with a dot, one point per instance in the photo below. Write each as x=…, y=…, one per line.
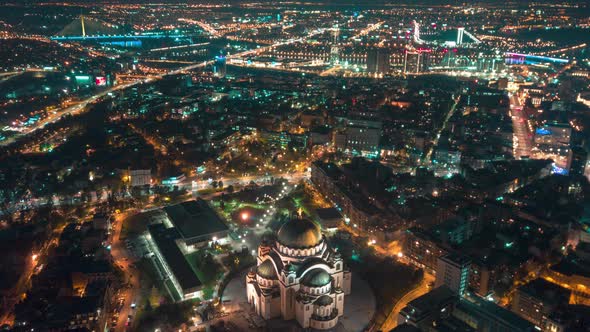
x=299, y=233
x=316, y=278
x=290, y=268
x=266, y=270
x=323, y=300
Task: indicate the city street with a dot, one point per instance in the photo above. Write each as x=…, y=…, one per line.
x=81, y=106
x=428, y=155
x=346, y=155
x=391, y=321
x=123, y=259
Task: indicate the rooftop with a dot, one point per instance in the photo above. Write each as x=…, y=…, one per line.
x=330, y=169
x=457, y=259
x=481, y=308
x=406, y=328
x=576, y=316
x=546, y=291
x=299, y=233
x=165, y=240
x=195, y=219
x=316, y=278
x=328, y=213
x=572, y=266
x=433, y=300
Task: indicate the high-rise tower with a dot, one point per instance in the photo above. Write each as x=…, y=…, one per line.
x=453, y=271
x=219, y=66
x=335, y=49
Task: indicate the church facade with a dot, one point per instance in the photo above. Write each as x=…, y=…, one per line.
x=298, y=276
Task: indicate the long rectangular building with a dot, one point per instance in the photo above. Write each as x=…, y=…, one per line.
x=175, y=266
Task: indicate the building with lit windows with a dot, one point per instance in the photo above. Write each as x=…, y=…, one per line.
x=441, y=310
x=453, y=271
x=220, y=66
x=422, y=249
x=178, y=230
x=360, y=137
x=328, y=178
x=298, y=276
x=378, y=61
x=553, y=141
x=536, y=300
x=140, y=177
x=413, y=62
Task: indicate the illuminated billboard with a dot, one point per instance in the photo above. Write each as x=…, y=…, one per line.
x=100, y=81
x=82, y=79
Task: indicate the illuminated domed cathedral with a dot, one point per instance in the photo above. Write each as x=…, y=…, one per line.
x=299, y=277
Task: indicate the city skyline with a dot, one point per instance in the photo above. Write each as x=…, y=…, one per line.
x=278, y=165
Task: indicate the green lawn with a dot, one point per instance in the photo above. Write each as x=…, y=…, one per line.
x=206, y=269
x=239, y=261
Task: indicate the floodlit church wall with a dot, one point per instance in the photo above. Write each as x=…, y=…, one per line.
x=340, y=304
x=324, y=324
x=346, y=283
x=275, y=308
x=317, y=291
x=295, y=300
x=337, y=279
x=301, y=315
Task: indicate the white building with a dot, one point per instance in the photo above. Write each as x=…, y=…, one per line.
x=453, y=271
x=140, y=177
x=299, y=277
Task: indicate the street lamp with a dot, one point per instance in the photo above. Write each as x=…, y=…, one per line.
x=245, y=216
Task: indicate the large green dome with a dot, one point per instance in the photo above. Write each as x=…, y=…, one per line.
x=266, y=270
x=316, y=278
x=299, y=233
